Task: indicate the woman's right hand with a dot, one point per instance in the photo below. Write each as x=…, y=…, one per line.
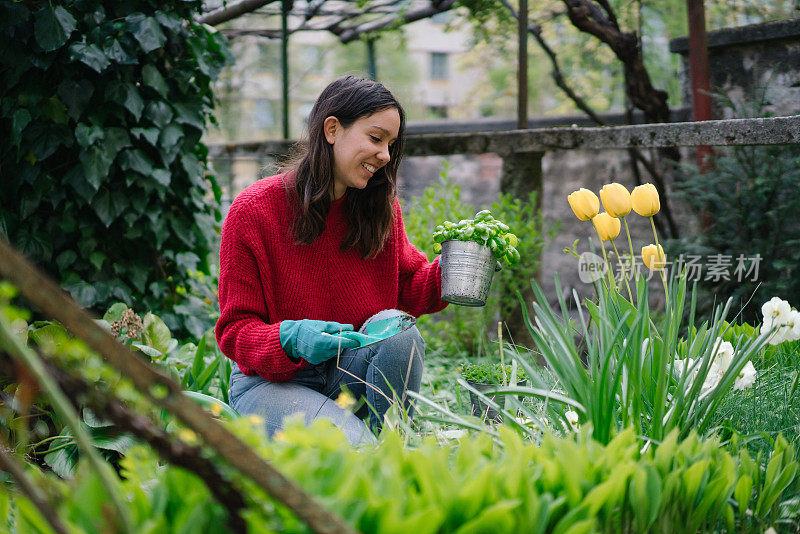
x=308, y=339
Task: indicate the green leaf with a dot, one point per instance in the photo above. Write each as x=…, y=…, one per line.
x=97, y=259
x=55, y=110
x=114, y=313
x=65, y=259
x=87, y=135
x=156, y=334
x=19, y=121
x=159, y=113
x=115, y=52
x=153, y=354
x=49, y=335
x=62, y=461
x=95, y=166
x=126, y=95
x=76, y=95
x=147, y=31
x=103, y=207
x=149, y=134
x=90, y=55
x=52, y=27
x=162, y=176
x=154, y=79
x=135, y=160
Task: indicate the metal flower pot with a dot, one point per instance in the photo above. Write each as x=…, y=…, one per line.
x=467, y=270
x=480, y=409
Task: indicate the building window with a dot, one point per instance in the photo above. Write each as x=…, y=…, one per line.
x=438, y=66
x=438, y=112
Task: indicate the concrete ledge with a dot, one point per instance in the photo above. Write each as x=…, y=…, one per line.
x=768, y=31
x=732, y=132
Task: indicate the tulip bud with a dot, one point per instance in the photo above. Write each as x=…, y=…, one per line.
x=644, y=200
x=653, y=256
x=607, y=226
x=584, y=203
x=616, y=199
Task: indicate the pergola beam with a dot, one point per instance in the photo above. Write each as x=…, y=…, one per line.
x=236, y=10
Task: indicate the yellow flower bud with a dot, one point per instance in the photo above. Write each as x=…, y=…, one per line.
x=616, y=199
x=607, y=226
x=584, y=203
x=653, y=256
x=644, y=200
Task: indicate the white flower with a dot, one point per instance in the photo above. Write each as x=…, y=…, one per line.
x=792, y=326
x=775, y=311
x=572, y=419
x=723, y=353
x=746, y=378
x=776, y=338
x=682, y=366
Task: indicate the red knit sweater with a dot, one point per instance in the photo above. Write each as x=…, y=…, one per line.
x=265, y=278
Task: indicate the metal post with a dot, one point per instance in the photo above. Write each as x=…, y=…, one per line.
x=286, y=6
x=698, y=73
x=522, y=66
x=372, y=65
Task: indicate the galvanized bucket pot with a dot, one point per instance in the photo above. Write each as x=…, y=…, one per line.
x=467, y=270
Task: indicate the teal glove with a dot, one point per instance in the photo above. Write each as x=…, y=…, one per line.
x=312, y=340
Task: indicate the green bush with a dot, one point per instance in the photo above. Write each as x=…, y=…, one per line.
x=479, y=485
x=747, y=208
x=102, y=111
x=459, y=330
x=490, y=373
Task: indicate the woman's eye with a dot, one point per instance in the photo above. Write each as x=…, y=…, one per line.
x=376, y=139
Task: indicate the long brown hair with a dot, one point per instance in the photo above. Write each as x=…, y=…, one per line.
x=369, y=211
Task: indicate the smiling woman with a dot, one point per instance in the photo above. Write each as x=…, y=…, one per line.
x=321, y=249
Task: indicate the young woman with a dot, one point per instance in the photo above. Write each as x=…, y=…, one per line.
x=312, y=253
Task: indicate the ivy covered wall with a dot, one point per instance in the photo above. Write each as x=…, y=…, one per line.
x=103, y=174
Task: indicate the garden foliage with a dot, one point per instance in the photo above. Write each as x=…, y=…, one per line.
x=102, y=111
x=563, y=485
x=460, y=331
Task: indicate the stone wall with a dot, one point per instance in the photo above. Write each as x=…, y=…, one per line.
x=751, y=63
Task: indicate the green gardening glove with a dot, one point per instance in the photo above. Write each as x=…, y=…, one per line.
x=314, y=341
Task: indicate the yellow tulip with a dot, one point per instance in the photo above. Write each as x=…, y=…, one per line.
x=616, y=199
x=644, y=200
x=607, y=226
x=653, y=256
x=584, y=203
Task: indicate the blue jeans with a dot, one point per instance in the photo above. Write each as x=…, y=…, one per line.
x=386, y=369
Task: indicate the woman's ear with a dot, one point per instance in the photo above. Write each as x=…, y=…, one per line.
x=331, y=127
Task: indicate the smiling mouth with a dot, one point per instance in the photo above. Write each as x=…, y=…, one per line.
x=370, y=168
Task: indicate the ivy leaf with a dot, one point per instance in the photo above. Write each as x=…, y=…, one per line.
x=82, y=292
x=162, y=176
x=153, y=78
x=88, y=135
x=90, y=55
x=170, y=21
x=191, y=115
x=149, y=134
x=95, y=166
x=45, y=139
x=187, y=261
x=127, y=96
x=76, y=95
x=97, y=259
x=65, y=259
x=55, y=110
x=135, y=160
x=19, y=121
x=147, y=31
x=52, y=27
x=115, y=52
x=76, y=177
x=192, y=166
x=103, y=208
x=159, y=113
x=116, y=140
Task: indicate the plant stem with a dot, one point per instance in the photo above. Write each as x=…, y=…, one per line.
x=11, y=344
x=630, y=248
x=630, y=296
x=663, y=268
x=605, y=258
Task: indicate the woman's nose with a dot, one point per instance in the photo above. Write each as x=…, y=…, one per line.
x=384, y=155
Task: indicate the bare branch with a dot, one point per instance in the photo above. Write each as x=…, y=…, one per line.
x=351, y=34
x=224, y=14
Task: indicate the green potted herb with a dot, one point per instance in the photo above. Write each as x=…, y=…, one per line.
x=470, y=249
x=483, y=376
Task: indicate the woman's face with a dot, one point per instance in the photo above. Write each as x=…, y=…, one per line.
x=361, y=149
